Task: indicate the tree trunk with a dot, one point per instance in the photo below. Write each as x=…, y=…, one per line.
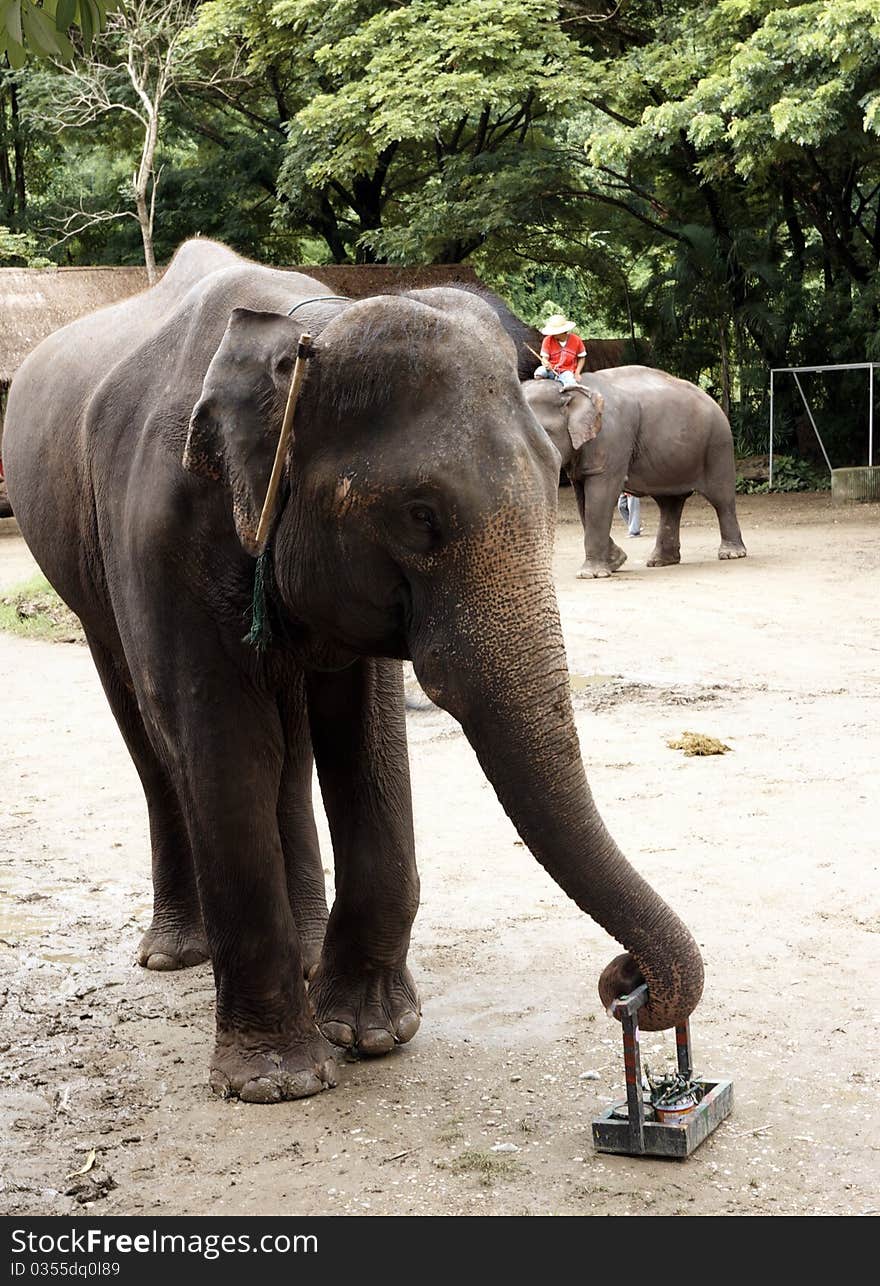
x=146, y=224
x=7, y=190
x=147, y=181
x=18, y=152
x=725, y=369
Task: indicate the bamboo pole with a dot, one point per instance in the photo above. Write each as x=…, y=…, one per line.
x=299, y=373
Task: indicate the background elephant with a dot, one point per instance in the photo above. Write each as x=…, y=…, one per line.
x=416, y=521
x=639, y=429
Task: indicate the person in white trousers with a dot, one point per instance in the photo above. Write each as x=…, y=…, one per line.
x=630, y=509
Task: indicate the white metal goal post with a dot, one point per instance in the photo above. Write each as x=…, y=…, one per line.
x=795, y=371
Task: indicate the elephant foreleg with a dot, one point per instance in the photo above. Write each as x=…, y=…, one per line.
x=224, y=736
x=667, y=548
x=176, y=936
x=596, y=500
x=362, y=991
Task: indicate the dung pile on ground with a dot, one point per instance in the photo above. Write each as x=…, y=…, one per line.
x=697, y=743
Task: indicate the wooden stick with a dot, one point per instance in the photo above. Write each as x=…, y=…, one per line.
x=299, y=374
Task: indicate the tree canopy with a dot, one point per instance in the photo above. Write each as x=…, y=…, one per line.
x=701, y=177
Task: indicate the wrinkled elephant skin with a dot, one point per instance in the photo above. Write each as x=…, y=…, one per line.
x=416, y=521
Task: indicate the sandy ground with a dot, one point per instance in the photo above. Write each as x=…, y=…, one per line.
x=769, y=853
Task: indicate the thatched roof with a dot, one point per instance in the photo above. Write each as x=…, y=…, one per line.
x=34, y=302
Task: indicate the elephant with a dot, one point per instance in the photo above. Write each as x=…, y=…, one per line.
x=641, y=430
x=415, y=522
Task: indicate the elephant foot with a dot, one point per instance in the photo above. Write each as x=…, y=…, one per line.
x=370, y=1012
x=167, y=946
x=591, y=571
x=258, y=1069
x=601, y=570
x=729, y=550
x=660, y=559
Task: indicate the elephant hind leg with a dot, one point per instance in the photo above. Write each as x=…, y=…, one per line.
x=667, y=547
x=731, y=537
x=296, y=825
x=720, y=491
x=176, y=937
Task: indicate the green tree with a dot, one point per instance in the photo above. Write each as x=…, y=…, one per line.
x=426, y=120
x=408, y=128
x=131, y=70
x=239, y=124
x=20, y=250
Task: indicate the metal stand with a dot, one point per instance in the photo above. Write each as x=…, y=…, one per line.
x=625, y=1128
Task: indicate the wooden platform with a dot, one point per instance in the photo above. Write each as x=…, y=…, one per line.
x=612, y=1132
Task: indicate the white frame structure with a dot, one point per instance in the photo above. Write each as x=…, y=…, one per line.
x=795, y=371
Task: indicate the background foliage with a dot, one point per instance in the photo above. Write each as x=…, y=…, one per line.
x=701, y=177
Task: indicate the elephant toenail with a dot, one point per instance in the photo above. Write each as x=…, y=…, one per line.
x=338, y=1034
x=407, y=1026
x=262, y=1089
x=219, y=1083
x=301, y=1085
x=161, y=961
x=376, y=1041
x=327, y=1073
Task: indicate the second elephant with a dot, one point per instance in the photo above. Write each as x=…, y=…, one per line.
x=655, y=435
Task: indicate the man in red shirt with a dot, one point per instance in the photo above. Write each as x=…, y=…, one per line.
x=562, y=352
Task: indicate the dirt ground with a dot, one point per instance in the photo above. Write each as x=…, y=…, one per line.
x=768, y=852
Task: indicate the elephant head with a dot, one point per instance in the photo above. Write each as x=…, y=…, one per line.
x=418, y=521
x=572, y=419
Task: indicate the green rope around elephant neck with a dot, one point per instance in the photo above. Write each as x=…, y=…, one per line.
x=260, y=633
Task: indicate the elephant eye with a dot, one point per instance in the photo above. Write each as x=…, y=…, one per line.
x=423, y=516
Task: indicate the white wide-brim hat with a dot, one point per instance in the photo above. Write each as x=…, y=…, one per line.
x=557, y=325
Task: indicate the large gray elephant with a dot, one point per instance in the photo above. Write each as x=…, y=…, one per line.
x=637, y=428
x=416, y=521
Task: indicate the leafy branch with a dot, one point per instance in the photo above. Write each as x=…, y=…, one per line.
x=44, y=28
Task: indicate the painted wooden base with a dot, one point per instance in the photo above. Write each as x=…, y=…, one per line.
x=612, y=1133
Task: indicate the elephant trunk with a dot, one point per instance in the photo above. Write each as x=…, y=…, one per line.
x=509, y=688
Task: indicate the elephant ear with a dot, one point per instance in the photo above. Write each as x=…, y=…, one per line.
x=584, y=407
x=234, y=426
